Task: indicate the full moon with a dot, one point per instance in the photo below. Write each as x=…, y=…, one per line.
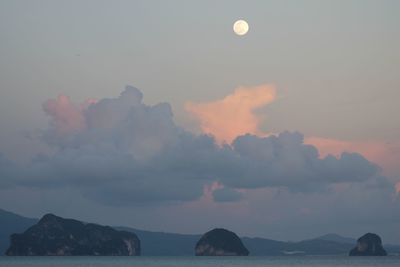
x=240, y=27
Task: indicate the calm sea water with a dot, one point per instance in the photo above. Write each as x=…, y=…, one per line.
x=196, y=261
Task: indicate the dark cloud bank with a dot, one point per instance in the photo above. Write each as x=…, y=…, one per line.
x=122, y=152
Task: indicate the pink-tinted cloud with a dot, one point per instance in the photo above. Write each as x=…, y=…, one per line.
x=397, y=187
x=66, y=117
x=209, y=189
x=385, y=154
x=233, y=115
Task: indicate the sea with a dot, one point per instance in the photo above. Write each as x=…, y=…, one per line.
x=198, y=261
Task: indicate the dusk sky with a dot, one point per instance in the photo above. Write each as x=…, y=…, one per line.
x=156, y=115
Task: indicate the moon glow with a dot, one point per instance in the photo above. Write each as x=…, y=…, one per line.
x=241, y=27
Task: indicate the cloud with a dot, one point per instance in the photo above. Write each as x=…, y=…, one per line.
x=226, y=195
x=8, y=171
x=397, y=186
x=386, y=154
x=125, y=160
x=120, y=151
x=285, y=161
x=233, y=115
x=67, y=118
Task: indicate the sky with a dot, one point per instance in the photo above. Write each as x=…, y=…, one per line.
x=155, y=115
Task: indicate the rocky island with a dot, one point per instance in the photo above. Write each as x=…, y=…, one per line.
x=56, y=236
x=368, y=245
x=220, y=242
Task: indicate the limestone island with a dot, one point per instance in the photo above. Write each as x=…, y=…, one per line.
x=368, y=245
x=220, y=242
x=56, y=236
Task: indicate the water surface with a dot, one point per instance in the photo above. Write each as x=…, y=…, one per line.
x=197, y=261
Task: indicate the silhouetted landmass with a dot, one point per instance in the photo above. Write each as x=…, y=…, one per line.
x=171, y=244
x=12, y=223
x=56, y=236
x=369, y=245
x=220, y=242
x=164, y=244
x=337, y=238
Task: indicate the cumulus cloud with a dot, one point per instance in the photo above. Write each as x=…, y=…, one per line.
x=386, y=154
x=284, y=160
x=67, y=118
x=120, y=151
x=233, y=115
x=397, y=187
x=226, y=195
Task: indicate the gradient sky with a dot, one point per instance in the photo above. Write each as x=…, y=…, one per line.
x=334, y=68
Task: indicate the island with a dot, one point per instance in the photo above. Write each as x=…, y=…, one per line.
x=368, y=245
x=220, y=242
x=56, y=236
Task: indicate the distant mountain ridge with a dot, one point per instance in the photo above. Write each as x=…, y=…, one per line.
x=11, y=223
x=164, y=244
x=172, y=244
x=337, y=238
